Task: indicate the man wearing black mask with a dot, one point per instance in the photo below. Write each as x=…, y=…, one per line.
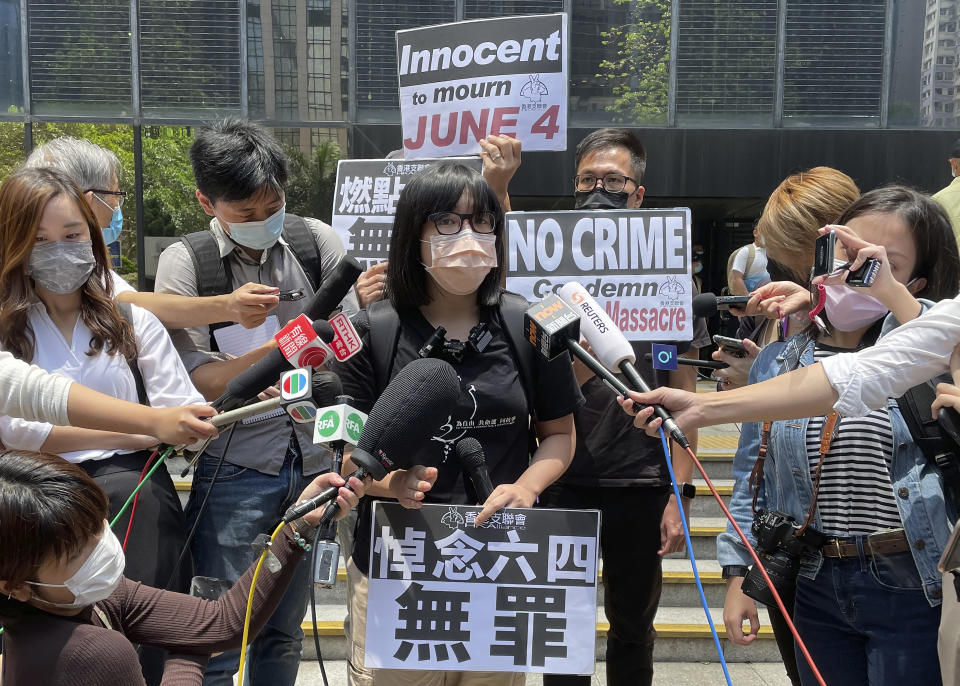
x=618, y=470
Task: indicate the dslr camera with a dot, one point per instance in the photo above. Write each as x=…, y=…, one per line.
x=780, y=549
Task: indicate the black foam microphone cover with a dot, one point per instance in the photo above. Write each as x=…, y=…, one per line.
x=408, y=412
x=704, y=305
x=334, y=288
x=262, y=373
x=470, y=453
x=326, y=388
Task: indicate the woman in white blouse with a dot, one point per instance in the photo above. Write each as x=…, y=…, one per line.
x=57, y=311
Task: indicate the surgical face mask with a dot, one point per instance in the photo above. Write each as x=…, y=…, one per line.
x=97, y=577
x=258, y=235
x=849, y=309
x=460, y=262
x=61, y=266
x=112, y=232
x=698, y=268
x=600, y=199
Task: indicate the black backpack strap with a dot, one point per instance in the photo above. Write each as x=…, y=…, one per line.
x=126, y=311
x=304, y=246
x=383, y=338
x=512, y=309
x=211, y=271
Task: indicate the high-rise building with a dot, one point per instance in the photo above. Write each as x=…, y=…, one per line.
x=938, y=72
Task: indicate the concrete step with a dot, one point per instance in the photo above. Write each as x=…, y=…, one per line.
x=683, y=635
x=664, y=674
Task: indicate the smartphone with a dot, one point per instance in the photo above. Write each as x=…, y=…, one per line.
x=208, y=587
x=295, y=294
x=725, y=302
x=733, y=345
x=865, y=275
x=823, y=252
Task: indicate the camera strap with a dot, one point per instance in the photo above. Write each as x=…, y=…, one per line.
x=831, y=424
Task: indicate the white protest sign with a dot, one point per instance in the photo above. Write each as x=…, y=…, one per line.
x=636, y=263
x=365, y=201
x=464, y=81
x=518, y=594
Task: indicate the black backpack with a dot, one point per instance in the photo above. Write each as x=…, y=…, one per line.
x=213, y=272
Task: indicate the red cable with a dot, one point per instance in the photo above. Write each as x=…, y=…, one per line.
x=759, y=566
x=133, y=507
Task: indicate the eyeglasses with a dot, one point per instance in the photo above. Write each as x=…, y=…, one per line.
x=121, y=195
x=449, y=223
x=613, y=183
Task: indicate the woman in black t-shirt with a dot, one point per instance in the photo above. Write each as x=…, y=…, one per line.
x=446, y=267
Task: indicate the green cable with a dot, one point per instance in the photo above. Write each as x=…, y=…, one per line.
x=123, y=509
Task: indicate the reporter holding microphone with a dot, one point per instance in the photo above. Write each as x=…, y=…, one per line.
x=71, y=617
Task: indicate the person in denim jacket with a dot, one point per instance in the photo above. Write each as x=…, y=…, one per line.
x=869, y=616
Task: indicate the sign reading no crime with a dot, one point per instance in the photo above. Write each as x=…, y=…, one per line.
x=462, y=82
x=365, y=201
x=636, y=263
x=516, y=595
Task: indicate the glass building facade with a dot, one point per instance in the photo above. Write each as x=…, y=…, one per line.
x=705, y=81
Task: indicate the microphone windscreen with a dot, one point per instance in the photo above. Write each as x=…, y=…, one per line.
x=334, y=288
x=323, y=330
x=470, y=453
x=264, y=372
x=704, y=305
x=609, y=344
x=410, y=410
x=326, y=388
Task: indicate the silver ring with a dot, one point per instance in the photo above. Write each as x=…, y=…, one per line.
x=496, y=157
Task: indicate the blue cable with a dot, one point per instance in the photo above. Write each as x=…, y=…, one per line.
x=693, y=560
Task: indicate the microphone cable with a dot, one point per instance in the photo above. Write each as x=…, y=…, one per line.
x=693, y=559
x=759, y=566
x=136, y=499
x=163, y=457
x=313, y=606
x=253, y=589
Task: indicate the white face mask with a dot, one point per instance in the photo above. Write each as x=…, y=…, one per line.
x=97, y=577
x=259, y=235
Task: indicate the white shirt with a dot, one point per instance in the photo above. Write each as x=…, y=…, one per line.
x=759, y=265
x=120, y=285
x=911, y=354
x=166, y=380
x=29, y=392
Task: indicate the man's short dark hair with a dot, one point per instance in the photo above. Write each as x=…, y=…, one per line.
x=437, y=189
x=604, y=139
x=234, y=159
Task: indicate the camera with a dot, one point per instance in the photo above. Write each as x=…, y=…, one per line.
x=779, y=549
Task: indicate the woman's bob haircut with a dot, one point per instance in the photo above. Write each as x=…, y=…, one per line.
x=437, y=189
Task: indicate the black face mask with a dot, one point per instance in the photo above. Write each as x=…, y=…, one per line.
x=600, y=199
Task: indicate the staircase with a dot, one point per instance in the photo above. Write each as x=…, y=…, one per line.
x=683, y=634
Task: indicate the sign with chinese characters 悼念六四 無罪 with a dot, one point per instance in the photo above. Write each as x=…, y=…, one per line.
x=514, y=595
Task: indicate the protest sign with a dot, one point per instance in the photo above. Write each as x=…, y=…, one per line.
x=365, y=201
x=464, y=81
x=636, y=263
x=518, y=594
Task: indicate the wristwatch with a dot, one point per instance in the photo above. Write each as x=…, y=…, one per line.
x=734, y=570
x=687, y=490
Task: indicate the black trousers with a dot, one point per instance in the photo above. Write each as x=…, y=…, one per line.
x=157, y=536
x=632, y=576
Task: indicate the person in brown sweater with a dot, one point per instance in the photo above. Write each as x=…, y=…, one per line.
x=69, y=616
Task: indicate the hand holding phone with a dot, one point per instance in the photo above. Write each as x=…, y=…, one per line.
x=734, y=346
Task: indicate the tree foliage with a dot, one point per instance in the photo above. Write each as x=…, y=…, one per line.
x=312, y=180
x=638, y=71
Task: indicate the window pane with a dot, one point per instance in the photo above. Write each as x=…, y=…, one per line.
x=117, y=138
x=297, y=67
x=80, y=57
x=11, y=147
x=833, y=62
x=726, y=62
x=189, y=57
x=619, y=62
x=482, y=9
x=376, y=49
x=11, y=81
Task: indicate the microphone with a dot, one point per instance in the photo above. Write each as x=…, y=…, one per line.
x=265, y=371
x=334, y=288
x=706, y=304
x=612, y=347
x=470, y=453
x=337, y=426
x=410, y=409
x=709, y=364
